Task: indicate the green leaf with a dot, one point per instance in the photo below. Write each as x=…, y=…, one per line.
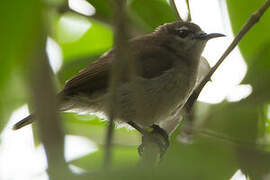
x=19, y=33
x=237, y=121
x=80, y=36
x=254, y=46
x=122, y=157
x=258, y=36
x=219, y=132
x=240, y=125
x=204, y=159
x=95, y=129
x=258, y=76
x=103, y=8
x=152, y=13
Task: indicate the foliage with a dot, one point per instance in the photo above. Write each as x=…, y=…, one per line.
x=19, y=33
x=238, y=126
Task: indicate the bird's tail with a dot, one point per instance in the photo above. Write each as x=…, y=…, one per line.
x=28, y=120
x=61, y=97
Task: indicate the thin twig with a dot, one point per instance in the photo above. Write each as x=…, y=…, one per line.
x=108, y=141
x=172, y=2
x=231, y=140
x=121, y=53
x=254, y=18
x=189, y=12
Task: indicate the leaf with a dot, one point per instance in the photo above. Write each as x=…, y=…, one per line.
x=122, y=157
x=20, y=31
x=254, y=163
x=258, y=76
x=79, y=36
x=95, y=129
x=152, y=13
x=103, y=8
x=258, y=36
x=219, y=132
x=204, y=159
x=254, y=46
x=237, y=121
x=241, y=126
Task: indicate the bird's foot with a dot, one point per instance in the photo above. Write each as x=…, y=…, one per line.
x=158, y=136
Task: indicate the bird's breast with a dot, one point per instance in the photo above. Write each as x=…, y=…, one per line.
x=162, y=95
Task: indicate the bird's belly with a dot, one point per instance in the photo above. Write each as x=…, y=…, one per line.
x=150, y=101
x=145, y=102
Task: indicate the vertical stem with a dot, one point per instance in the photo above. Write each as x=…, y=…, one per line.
x=48, y=120
x=118, y=67
x=108, y=141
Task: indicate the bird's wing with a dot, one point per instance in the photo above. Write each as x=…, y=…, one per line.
x=151, y=62
x=90, y=79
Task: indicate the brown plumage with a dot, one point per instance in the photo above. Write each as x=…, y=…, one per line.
x=167, y=61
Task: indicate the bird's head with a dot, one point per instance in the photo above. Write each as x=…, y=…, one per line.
x=185, y=36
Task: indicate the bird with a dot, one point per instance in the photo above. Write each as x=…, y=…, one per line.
x=167, y=61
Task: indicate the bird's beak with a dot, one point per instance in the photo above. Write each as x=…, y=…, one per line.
x=205, y=36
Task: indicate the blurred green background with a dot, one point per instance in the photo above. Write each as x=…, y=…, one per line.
x=240, y=138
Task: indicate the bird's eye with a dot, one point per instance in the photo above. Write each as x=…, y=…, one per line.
x=183, y=33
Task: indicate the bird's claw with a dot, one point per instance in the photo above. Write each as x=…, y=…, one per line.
x=156, y=135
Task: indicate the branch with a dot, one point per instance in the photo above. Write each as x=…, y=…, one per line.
x=189, y=12
x=172, y=2
x=208, y=133
x=254, y=18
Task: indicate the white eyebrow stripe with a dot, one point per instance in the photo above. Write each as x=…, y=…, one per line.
x=183, y=28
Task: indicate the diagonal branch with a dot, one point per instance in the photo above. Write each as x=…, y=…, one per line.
x=254, y=18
